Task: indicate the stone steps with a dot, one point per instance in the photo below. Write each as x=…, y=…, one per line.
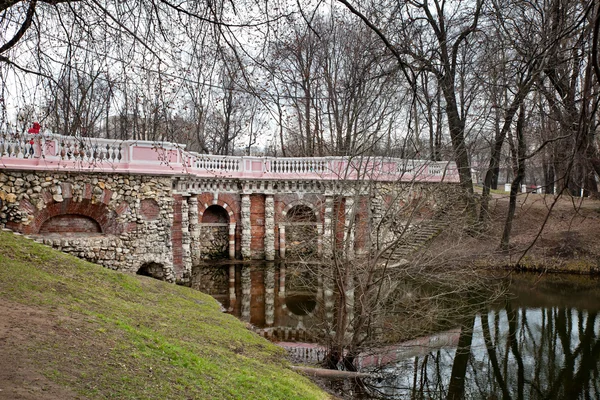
x=416, y=237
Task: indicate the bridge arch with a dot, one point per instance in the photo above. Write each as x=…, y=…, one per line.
x=300, y=230
x=217, y=230
x=220, y=203
x=301, y=206
x=215, y=214
x=70, y=216
x=153, y=265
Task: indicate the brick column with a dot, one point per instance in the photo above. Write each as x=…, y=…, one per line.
x=328, y=239
x=194, y=228
x=269, y=228
x=246, y=228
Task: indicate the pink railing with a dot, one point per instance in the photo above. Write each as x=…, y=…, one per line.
x=66, y=153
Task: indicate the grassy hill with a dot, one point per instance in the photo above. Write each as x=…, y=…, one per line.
x=71, y=329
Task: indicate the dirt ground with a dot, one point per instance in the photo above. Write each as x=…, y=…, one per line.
x=567, y=239
x=22, y=326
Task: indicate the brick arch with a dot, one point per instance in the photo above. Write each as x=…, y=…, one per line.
x=305, y=203
x=203, y=206
x=97, y=212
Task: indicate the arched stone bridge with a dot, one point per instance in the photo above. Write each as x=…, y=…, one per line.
x=156, y=208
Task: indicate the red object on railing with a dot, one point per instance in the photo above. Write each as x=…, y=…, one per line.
x=35, y=129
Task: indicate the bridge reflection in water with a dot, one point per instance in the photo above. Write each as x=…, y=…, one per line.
x=542, y=342
x=280, y=300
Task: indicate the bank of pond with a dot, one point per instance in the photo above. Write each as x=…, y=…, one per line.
x=537, y=338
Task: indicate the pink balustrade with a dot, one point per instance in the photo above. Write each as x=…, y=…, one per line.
x=67, y=153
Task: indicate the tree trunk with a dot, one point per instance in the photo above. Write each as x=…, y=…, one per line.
x=516, y=184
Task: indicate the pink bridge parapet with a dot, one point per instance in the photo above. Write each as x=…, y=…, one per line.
x=67, y=153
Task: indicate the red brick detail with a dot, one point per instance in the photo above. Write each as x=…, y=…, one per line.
x=122, y=208
x=130, y=227
x=70, y=223
x=339, y=222
x=257, y=296
x=150, y=209
x=361, y=229
x=25, y=205
x=97, y=212
x=87, y=191
x=106, y=196
x=47, y=196
x=257, y=222
x=66, y=190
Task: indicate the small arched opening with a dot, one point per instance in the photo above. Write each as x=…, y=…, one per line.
x=153, y=270
x=215, y=214
x=301, y=231
x=70, y=224
x=214, y=233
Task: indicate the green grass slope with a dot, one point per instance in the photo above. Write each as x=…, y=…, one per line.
x=112, y=335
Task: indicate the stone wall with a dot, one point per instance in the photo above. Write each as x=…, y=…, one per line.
x=134, y=214
x=125, y=222
x=214, y=242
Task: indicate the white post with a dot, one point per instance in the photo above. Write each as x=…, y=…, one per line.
x=246, y=228
x=269, y=228
x=232, y=240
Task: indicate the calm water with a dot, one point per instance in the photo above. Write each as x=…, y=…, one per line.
x=540, y=342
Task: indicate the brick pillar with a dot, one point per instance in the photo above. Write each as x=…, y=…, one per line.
x=194, y=228
x=186, y=241
x=328, y=239
x=232, y=240
x=269, y=228
x=349, y=227
x=246, y=228
x=282, y=241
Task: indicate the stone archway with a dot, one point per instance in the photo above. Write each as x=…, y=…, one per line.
x=153, y=270
x=70, y=224
x=300, y=231
x=216, y=233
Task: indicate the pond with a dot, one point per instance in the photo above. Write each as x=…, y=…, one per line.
x=540, y=341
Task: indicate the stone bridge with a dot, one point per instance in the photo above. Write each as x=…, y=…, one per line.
x=157, y=209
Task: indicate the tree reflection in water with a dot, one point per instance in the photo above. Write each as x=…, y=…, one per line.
x=508, y=353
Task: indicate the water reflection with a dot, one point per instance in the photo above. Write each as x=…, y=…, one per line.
x=542, y=342
x=280, y=300
x=510, y=352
